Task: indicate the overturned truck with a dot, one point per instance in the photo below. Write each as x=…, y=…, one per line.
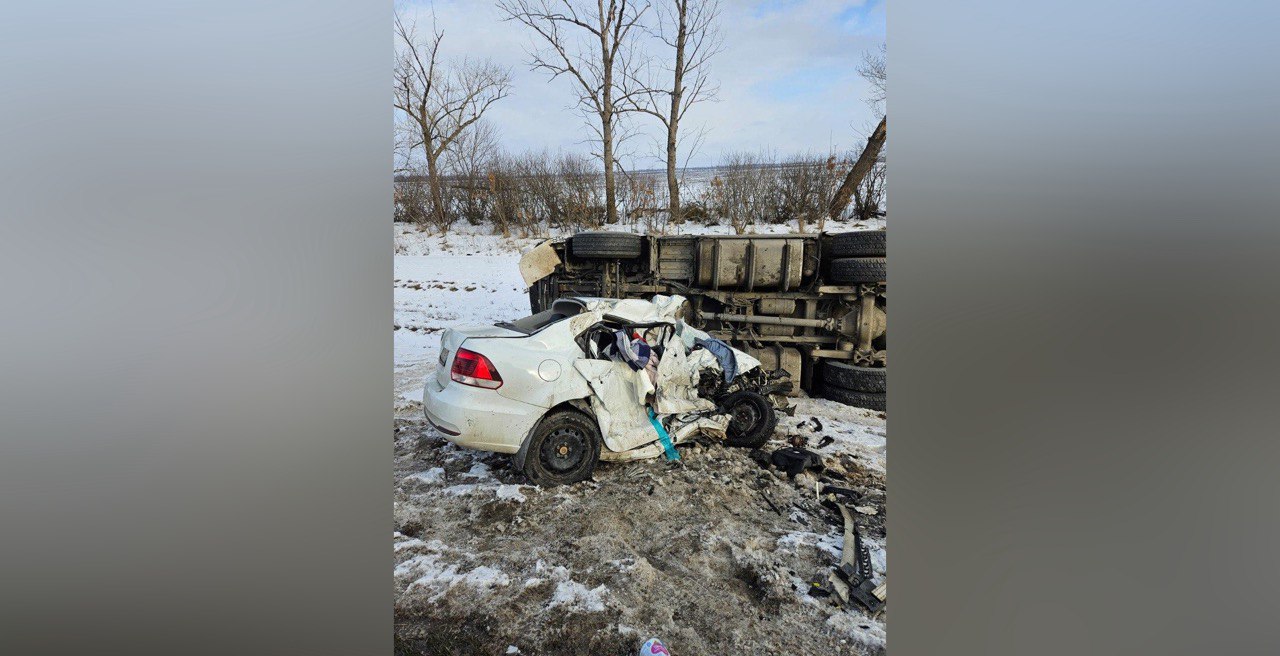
x=811, y=304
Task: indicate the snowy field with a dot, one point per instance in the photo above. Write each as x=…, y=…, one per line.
x=489, y=564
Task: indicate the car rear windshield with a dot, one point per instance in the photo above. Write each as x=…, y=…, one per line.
x=532, y=324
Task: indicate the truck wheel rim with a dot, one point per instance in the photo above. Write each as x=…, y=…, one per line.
x=564, y=449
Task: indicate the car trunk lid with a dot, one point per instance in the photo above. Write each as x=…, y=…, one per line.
x=452, y=339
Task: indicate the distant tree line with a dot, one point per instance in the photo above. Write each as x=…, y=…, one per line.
x=527, y=194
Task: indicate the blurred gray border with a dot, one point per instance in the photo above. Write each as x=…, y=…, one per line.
x=1083, y=262
x=196, y=399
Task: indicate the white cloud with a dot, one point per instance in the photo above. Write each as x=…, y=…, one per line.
x=788, y=80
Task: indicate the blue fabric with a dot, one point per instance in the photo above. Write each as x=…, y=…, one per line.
x=667, y=446
x=634, y=352
x=724, y=354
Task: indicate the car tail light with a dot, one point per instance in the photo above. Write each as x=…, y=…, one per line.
x=471, y=368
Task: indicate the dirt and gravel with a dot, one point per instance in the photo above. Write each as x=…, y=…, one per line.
x=712, y=554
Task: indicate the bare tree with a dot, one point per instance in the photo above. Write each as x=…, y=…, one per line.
x=688, y=28
x=441, y=101
x=466, y=167
x=870, y=155
x=591, y=42
x=874, y=70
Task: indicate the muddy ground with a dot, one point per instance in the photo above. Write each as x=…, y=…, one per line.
x=690, y=551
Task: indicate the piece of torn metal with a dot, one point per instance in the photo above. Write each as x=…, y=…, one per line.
x=539, y=263
x=851, y=578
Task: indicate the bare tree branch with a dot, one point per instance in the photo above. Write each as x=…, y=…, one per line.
x=688, y=28
x=874, y=70
x=591, y=43
x=440, y=102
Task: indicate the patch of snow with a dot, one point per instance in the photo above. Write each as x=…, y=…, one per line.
x=512, y=649
x=409, y=544
x=879, y=562
x=466, y=240
x=572, y=594
x=479, y=470
x=429, y=293
x=511, y=493
x=461, y=489
x=624, y=564
x=859, y=627
x=486, y=577
x=831, y=544
x=854, y=430
x=413, y=394
x=433, y=573
x=433, y=475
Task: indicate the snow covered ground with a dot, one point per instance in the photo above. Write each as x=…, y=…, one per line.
x=463, y=237
x=484, y=561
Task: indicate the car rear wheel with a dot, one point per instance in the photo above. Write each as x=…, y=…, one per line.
x=751, y=419
x=606, y=245
x=563, y=449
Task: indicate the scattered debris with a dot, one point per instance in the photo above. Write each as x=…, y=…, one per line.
x=812, y=423
x=851, y=579
x=654, y=647
x=794, y=460
x=770, y=502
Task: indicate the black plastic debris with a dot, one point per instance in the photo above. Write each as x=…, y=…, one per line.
x=794, y=460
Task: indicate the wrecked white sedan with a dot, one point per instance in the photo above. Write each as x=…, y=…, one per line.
x=595, y=379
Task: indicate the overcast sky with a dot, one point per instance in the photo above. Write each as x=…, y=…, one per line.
x=788, y=79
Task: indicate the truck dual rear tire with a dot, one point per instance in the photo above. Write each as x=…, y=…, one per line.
x=859, y=243
x=606, y=245
x=869, y=400
x=858, y=270
x=851, y=377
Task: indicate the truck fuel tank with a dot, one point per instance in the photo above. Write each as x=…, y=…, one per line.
x=753, y=262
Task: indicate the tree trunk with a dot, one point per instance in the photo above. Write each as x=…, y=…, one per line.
x=437, y=194
x=673, y=124
x=859, y=171
x=610, y=193
x=673, y=184
x=606, y=121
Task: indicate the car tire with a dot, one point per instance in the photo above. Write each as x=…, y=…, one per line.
x=606, y=245
x=858, y=379
x=859, y=243
x=868, y=400
x=752, y=419
x=858, y=269
x=563, y=449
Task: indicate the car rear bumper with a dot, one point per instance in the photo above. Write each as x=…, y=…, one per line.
x=479, y=418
